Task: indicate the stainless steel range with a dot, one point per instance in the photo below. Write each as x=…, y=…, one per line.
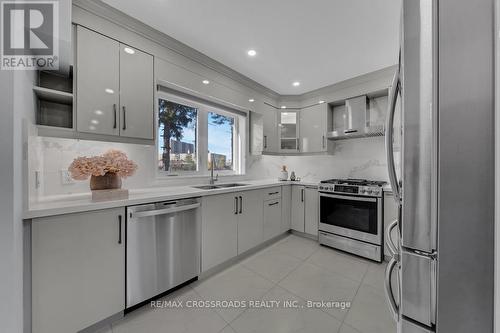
x=351, y=216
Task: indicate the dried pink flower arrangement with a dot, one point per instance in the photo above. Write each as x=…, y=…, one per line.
x=112, y=161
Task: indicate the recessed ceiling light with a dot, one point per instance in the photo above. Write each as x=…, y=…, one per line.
x=98, y=112
x=283, y=106
x=205, y=82
x=94, y=121
x=296, y=84
x=252, y=53
x=251, y=100
x=129, y=50
x=109, y=91
x=321, y=102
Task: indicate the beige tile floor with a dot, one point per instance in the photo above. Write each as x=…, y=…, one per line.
x=293, y=269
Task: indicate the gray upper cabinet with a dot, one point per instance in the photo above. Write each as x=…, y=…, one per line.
x=97, y=69
x=313, y=128
x=270, y=129
x=115, y=88
x=136, y=93
x=289, y=141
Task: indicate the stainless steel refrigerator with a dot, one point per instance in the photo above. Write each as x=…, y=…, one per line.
x=444, y=252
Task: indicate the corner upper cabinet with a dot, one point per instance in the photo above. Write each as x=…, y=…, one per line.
x=115, y=85
x=289, y=131
x=313, y=128
x=270, y=115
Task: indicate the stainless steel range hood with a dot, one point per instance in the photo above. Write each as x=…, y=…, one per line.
x=351, y=120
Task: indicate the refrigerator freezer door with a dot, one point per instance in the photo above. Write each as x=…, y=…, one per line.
x=419, y=118
x=418, y=276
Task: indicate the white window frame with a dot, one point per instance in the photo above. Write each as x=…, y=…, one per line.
x=202, y=139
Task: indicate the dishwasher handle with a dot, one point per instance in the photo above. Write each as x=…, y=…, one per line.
x=165, y=211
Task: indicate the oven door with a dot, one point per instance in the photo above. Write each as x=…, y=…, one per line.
x=351, y=216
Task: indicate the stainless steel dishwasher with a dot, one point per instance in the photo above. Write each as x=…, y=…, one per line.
x=163, y=248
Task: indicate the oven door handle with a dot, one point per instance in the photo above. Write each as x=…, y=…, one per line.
x=345, y=197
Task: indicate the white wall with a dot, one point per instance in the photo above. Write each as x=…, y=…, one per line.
x=17, y=108
x=355, y=158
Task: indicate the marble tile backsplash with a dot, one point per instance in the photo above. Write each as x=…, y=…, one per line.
x=354, y=158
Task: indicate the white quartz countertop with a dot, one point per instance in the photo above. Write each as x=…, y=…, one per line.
x=74, y=203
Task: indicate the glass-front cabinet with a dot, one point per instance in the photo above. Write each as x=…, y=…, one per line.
x=289, y=131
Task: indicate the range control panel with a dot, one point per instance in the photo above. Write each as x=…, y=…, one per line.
x=371, y=191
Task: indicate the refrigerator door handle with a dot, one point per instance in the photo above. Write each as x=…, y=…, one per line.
x=390, y=243
x=389, y=134
x=393, y=306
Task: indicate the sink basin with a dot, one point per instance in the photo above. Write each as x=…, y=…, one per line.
x=207, y=187
x=214, y=187
x=231, y=185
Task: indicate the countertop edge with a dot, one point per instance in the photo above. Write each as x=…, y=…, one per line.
x=182, y=192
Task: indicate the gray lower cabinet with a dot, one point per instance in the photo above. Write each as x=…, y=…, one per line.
x=250, y=220
x=286, y=207
x=78, y=270
x=311, y=211
x=305, y=209
x=298, y=206
x=219, y=232
x=272, y=218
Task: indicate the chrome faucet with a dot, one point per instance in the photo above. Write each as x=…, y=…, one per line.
x=212, y=162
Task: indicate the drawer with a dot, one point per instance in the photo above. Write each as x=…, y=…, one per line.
x=272, y=193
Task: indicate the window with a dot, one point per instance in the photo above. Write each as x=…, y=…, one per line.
x=192, y=136
x=220, y=141
x=177, y=132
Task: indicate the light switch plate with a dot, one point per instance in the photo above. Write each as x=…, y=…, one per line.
x=66, y=177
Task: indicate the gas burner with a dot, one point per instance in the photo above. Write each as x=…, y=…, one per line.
x=352, y=186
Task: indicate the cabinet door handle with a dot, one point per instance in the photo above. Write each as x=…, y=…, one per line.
x=119, y=229
x=302, y=195
x=265, y=141
x=298, y=144
x=235, y=205
x=241, y=204
x=124, y=118
x=274, y=203
x=114, y=115
x=324, y=142
x=273, y=193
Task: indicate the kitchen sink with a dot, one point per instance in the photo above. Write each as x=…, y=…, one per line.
x=231, y=185
x=214, y=187
x=207, y=187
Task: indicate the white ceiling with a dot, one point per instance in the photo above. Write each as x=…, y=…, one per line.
x=316, y=42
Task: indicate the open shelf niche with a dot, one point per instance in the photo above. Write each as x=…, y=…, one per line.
x=54, y=93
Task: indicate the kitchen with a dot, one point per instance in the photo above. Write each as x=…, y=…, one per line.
x=169, y=180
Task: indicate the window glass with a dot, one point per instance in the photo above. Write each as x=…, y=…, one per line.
x=177, y=135
x=220, y=141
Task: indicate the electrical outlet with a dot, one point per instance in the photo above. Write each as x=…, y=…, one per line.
x=66, y=177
